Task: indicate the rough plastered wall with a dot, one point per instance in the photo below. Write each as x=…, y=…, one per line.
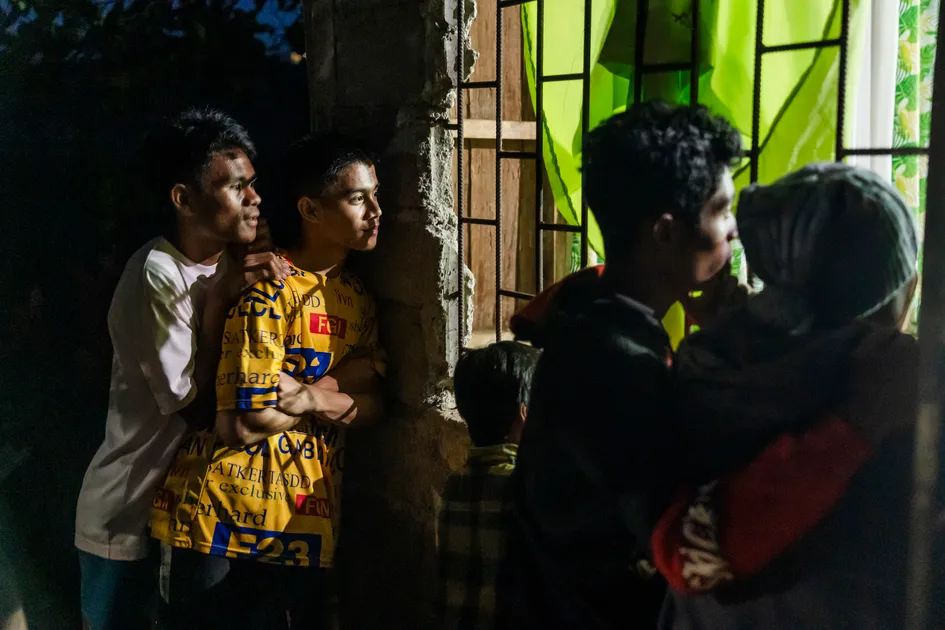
x=382, y=69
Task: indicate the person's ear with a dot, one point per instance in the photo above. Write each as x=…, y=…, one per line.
x=514, y=435
x=309, y=209
x=663, y=228
x=182, y=199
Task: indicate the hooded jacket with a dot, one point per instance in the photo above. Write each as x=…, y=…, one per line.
x=570, y=314
x=776, y=388
x=797, y=523
x=584, y=497
x=531, y=323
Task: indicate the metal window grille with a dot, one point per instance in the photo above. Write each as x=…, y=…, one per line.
x=922, y=534
x=541, y=226
x=753, y=154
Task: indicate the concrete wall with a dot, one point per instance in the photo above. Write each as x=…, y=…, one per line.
x=382, y=68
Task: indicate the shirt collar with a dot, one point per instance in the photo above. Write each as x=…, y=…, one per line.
x=492, y=455
x=634, y=319
x=638, y=308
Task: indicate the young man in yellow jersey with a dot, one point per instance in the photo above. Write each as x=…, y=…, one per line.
x=251, y=509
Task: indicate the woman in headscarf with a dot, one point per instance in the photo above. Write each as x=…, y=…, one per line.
x=794, y=417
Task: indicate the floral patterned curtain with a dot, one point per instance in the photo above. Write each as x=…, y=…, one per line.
x=918, y=24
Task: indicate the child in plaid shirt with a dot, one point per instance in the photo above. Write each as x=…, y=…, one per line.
x=492, y=385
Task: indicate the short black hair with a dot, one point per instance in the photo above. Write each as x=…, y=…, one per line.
x=314, y=162
x=490, y=384
x=309, y=166
x=180, y=148
x=655, y=158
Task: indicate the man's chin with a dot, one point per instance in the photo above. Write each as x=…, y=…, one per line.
x=246, y=234
x=366, y=245
x=713, y=273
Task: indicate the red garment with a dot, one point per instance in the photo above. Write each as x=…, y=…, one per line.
x=733, y=527
x=525, y=321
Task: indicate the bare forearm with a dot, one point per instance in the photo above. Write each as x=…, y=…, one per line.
x=347, y=409
x=199, y=413
x=355, y=374
x=334, y=403
x=209, y=343
x=329, y=383
x=242, y=428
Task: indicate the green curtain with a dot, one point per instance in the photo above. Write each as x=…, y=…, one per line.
x=799, y=89
x=918, y=24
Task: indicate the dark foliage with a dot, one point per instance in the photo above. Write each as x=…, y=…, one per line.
x=81, y=81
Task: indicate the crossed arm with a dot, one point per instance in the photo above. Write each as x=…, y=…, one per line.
x=349, y=396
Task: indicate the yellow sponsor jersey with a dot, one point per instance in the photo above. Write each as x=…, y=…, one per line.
x=276, y=501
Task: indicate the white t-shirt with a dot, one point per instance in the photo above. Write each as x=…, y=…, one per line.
x=153, y=322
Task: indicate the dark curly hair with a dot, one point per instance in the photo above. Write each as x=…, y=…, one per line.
x=655, y=158
x=180, y=148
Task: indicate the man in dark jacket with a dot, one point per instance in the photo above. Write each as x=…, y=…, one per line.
x=585, y=495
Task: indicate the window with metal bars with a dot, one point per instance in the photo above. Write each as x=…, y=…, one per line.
x=496, y=145
x=481, y=124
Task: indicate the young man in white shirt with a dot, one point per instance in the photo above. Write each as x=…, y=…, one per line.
x=166, y=322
